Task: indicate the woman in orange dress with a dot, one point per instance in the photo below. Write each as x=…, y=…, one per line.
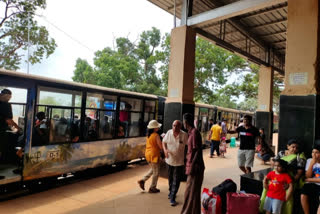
x=152, y=155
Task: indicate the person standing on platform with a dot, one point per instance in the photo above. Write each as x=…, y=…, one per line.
x=6, y=123
x=152, y=155
x=215, y=136
x=194, y=168
x=224, y=128
x=248, y=134
x=173, y=144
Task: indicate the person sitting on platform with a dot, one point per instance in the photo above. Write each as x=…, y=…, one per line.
x=264, y=152
x=296, y=164
x=311, y=189
x=276, y=183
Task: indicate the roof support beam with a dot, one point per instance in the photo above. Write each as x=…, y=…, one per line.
x=272, y=34
x=231, y=10
x=186, y=11
x=265, y=12
x=232, y=48
x=270, y=24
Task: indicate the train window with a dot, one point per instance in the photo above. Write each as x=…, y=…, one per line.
x=130, y=117
x=203, y=123
x=57, y=97
x=58, y=116
x=100, y=116
x=211, y=114
x=149, y=106
x=18, y=104
x=100, y=101
x=219, y=115
x=149, y=114
x=107, y=124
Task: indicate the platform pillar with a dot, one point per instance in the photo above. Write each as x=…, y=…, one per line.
x=299, y=102
x=264, y=113
x=181, y=75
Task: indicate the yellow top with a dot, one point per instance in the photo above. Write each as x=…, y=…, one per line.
x=216, y=131
x=152, y=149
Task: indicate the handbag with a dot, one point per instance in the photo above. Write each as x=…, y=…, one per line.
x=210, y=202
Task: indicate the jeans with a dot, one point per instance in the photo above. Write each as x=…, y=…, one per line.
x=174, y=179
x=214, y=146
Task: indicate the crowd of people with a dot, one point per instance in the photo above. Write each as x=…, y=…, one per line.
x=293, y=185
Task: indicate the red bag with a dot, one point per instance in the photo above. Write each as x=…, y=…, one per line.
x=210, y=202
x=239, y=203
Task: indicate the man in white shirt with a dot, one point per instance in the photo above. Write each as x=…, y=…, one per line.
x=174, y=143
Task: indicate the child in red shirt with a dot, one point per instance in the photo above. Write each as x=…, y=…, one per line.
x=276, y=183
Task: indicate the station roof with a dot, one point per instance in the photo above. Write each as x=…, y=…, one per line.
x=255, y=29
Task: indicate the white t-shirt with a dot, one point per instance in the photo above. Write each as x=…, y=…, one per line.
x=175, y=147
x=315, y=170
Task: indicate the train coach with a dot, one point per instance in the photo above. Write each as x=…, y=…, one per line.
x=69, y=127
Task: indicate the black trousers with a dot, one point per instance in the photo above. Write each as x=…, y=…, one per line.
x=174, y=179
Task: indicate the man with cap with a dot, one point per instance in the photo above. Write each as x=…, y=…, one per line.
x=173, y=144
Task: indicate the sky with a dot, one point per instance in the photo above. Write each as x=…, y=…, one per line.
x=92, y=26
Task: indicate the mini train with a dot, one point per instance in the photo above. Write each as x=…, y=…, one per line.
x=69, y=127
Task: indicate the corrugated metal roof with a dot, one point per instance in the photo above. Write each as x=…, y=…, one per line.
x=259, y=35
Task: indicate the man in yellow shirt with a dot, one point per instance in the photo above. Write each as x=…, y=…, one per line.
x=214, y=136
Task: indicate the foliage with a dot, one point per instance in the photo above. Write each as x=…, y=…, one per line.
x=17, y=14
x=127, y=66
x=249, y=104
x=213, y=67
x=134, y=67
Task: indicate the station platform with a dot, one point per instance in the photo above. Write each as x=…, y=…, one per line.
x=119, y=192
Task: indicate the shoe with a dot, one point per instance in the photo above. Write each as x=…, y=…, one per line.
x=2, y=177
x=154, y=190
x=173, y=202
x=141, y=184
x=169, y=196
x=211, y=156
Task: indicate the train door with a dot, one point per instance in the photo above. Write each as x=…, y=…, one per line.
x=12, y=139
x=196, y=117
x=219, y=118
x=204, y=119
x=215, y=115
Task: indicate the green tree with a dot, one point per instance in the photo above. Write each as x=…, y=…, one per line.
x=14, y=22
x=164, y=58
x=83, y=72
x=213, y=67
x=127, y=66
x=147, y=55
